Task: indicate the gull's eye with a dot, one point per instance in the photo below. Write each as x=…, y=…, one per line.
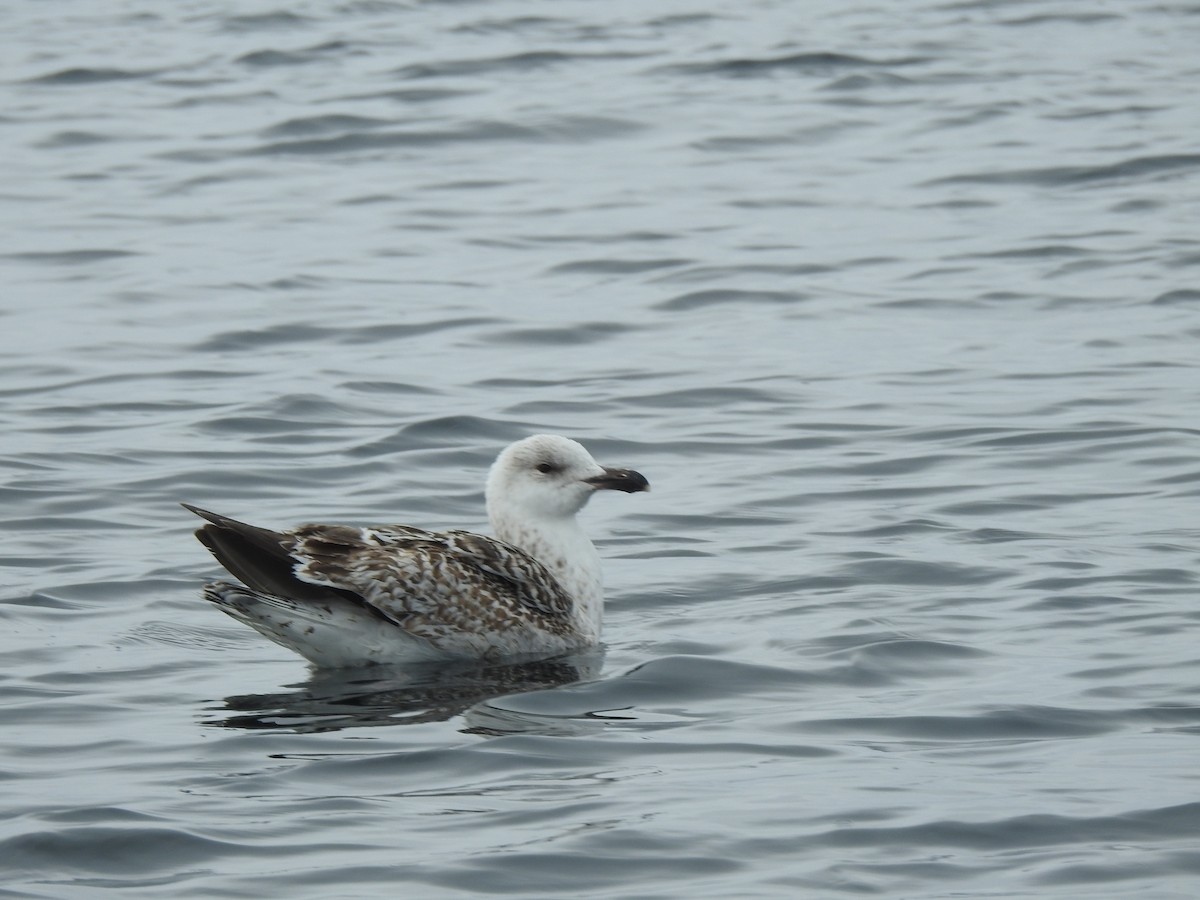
x=545, y=468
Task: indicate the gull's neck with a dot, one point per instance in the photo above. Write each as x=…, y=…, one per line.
x=561, y=545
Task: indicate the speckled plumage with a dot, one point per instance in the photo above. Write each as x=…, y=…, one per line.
x=342, y=595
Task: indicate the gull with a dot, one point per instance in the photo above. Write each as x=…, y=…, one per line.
x=343, y=596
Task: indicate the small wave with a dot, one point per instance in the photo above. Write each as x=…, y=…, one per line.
x=1169, y=823
x=83, y=256
x=1023, y=723
x=569, y=336
x=531, y=61
x=718, y=297
x=1066, y=176
x=73, y=139
x=616, y=266
x=305, y=333
x=323, y=125
x=671, y=681
x=861, y=81
x=82, y=76
x=1177, y=297
x=276, y=58
x=272, y=21
x=1088, y=18
x=889, y=570
x=569, y=128
x=804, y=63
x=123, y=851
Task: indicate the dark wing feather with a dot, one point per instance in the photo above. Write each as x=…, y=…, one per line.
x=258, y=557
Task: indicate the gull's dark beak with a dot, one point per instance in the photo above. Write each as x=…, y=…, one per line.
x=625, y=480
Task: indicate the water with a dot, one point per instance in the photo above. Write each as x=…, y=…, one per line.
x=897, y=310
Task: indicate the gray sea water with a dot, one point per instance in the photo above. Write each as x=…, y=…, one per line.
x=896, y=306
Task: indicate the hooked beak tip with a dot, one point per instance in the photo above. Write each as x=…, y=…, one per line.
x=626, y=480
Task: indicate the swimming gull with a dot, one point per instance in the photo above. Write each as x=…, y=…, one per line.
x=346, y=596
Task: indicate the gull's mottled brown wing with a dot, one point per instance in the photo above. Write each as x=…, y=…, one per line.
x=433, y=584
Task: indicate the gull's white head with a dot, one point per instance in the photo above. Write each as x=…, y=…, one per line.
x=550, y=477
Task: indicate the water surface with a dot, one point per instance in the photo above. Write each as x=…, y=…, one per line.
x=896, y=310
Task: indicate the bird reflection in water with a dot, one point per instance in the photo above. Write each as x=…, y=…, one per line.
x=332, y=700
